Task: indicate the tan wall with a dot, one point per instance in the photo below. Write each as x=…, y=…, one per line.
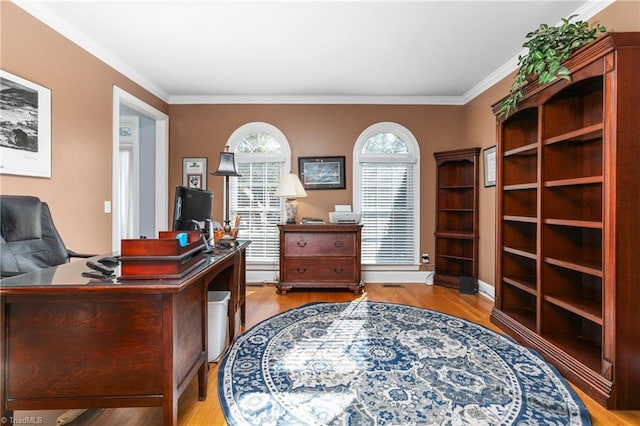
x=82, y=85
x=81, y=102
x=315, y=130
x=480, y=130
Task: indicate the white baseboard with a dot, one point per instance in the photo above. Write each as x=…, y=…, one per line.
x=486, y=290
x=417, y=277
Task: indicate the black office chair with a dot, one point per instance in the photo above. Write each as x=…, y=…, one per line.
x=30, y=240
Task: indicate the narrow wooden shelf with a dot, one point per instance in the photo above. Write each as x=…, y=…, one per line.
x=531, y=185
x=530, y=149
x=524, y=219
x=589, y=180
x=456, y=210
x=574, y=223
x=581, y=306
x=457, y=187
x=576, y=265
x=523, y=283
x=525, y=317
x=579, y=349
x=584, y=134
x=456, y=235
x=522, y=253
x=465, y=259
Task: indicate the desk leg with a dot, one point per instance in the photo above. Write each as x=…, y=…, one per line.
x=4, y=413
x=243, y=286
x=170, y=411
x=202, y=381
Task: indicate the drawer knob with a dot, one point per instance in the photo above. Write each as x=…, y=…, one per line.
x=339, y=244
x=302, y=243
x=301, y=270
x=338, y=270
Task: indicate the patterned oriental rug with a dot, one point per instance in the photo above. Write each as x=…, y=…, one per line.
x=368, y=363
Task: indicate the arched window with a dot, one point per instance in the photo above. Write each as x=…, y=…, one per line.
x=386, y=191
x=262, y=156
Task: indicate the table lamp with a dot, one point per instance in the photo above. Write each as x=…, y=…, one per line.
x=226, y=168
x=290, y=188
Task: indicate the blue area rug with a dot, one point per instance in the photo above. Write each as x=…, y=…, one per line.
x=368, y=363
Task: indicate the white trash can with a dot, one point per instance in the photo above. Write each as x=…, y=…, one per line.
x=217, y=323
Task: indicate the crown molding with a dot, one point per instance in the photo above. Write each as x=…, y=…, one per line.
x=299, y=99
x=39, y=11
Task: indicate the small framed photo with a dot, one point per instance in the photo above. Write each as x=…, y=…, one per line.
x=25, y=134
x=322, y=172
x=489, y=156
x=194, y=172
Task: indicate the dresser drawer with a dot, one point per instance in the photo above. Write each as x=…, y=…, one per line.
x=321, y=269
x=320, y=244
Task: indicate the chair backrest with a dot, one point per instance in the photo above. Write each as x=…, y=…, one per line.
x=30, y=240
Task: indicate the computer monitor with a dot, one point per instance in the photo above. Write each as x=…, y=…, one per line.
x=191, y=204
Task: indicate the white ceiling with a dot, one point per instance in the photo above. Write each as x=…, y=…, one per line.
x=432, y=52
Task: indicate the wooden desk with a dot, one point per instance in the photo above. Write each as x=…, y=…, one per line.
x=73, y=342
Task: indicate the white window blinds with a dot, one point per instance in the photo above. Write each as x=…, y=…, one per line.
x=260, y=211
x=388, y=234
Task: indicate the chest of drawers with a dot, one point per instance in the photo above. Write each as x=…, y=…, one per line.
x=320, y=256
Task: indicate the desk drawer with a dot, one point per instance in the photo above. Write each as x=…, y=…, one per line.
x=323, y=244
x=321, y=269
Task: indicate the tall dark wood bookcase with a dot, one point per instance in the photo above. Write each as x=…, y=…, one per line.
x=456, y=233
x=568, y=203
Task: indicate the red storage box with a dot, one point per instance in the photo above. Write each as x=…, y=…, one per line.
x=161, y=258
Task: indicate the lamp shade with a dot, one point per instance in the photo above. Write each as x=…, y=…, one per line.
x=290, y=187
x=227, y=166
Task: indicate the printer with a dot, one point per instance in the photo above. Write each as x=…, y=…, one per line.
x=344, y=217
x=343, y=214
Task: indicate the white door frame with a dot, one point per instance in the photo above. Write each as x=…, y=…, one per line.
x=162, y=162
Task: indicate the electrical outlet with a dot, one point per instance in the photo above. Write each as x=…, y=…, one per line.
x=425, y=258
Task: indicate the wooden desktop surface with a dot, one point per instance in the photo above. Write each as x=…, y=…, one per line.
x=74, y=342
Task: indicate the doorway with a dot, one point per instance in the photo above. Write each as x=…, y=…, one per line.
x=140, y=169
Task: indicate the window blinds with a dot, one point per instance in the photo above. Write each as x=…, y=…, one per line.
x=387, y=207
x=260, y=211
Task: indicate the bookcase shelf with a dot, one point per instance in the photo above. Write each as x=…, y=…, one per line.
x=567, y=235
x=456, y=216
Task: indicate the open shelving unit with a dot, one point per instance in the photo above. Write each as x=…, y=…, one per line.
x=456, y=216
x=568, y=191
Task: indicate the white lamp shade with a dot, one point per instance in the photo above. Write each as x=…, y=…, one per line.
x=290, y=187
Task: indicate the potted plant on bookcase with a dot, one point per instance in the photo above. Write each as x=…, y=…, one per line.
x=548, y=47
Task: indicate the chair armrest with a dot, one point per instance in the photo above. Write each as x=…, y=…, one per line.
x=82, y=255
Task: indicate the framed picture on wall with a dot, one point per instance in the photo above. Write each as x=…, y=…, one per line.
x=322, y=172
x=489, y=156
x=194, y=172
x=25, y=135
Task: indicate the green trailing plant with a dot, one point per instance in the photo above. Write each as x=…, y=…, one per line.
x=548, y=47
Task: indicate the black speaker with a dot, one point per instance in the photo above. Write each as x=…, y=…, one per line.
x=468, y=285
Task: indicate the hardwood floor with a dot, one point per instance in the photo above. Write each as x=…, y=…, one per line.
x=263, y=302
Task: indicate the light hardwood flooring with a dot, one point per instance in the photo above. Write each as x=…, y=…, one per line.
x=263, y=302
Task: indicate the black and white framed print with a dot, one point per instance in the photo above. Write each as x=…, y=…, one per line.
x=25, y=133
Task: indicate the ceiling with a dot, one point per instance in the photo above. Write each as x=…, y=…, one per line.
x=431, y=52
